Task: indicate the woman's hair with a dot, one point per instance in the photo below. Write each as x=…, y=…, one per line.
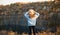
x=30, y=8
x=31, y=16
x=31, y=11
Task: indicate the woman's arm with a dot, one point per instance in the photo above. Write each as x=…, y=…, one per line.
x=36, y=15
x=26, y=15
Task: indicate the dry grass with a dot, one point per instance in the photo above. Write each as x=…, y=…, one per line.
x=15, y=33
x=4, y=32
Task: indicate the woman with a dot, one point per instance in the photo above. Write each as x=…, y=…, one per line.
x=31, y=17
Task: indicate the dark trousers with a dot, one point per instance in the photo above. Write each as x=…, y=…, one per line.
x=32, y=28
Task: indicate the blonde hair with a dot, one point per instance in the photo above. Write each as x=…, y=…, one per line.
x=31, y=13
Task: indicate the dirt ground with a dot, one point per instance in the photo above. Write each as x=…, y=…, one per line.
x=4, y=32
